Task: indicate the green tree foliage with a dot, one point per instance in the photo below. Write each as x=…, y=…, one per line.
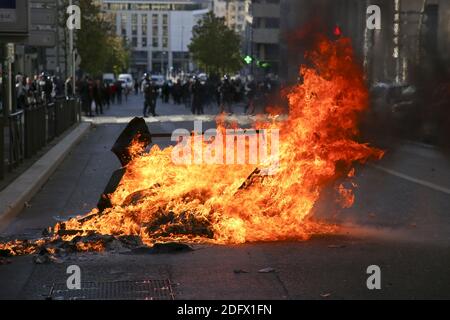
x=118, y=56
x=215, y=47
x=100, y=49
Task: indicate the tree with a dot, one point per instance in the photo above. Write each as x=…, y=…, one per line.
x=215, y=47
x=99, y=48
x=117, y=57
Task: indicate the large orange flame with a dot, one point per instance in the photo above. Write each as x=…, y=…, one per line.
x=317, y=147
x=159, y=200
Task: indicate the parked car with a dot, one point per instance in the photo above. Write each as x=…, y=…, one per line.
x=127, y=81
x=158, y=80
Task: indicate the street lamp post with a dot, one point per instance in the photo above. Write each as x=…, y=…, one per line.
x=72, y=54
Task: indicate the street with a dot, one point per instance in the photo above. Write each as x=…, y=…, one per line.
x=400, y=221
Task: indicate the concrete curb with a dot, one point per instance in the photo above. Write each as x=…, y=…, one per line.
x=14, y=197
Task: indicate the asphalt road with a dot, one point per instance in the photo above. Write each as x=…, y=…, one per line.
x=400, y=222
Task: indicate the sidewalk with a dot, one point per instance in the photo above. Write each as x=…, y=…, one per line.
x=16, y=195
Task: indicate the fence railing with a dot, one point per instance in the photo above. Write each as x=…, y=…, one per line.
x=2, y=148
x=16, y=139
x=35, y=131
x=25, y=132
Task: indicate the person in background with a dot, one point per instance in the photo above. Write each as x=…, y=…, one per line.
x=30, y=91
x=68, y=88
x=177, y=92
x=136, y=87
x=186, y=93
x=98, y=97
x=126, y=91
x=165, y=92
x=106, y=94
x=250, y=92
x=150, y=95
x=228, y=95
x=21, y=92
x=198, y=94
x=85, y=96
x=119, y=89
x=45, y=88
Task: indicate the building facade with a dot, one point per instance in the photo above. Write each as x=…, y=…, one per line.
x=264, y=32
x=47, y=46
x=234, y=12
x=158, y=32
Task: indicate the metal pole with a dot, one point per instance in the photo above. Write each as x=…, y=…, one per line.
x=72, y=54
x=9, y=82
x=58, y=63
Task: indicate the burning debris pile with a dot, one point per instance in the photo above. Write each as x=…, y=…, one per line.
x=151, y=199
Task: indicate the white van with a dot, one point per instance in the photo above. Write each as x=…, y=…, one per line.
x=127, y=80
x=109, y=78
x=158, y=80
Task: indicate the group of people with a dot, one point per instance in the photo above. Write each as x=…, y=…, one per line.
x=42, y=88
x=197, y=93
x=96, y=94
x=194, y=93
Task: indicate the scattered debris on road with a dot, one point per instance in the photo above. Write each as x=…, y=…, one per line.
x=161, y=248
x=267, y=270
x=237, y=271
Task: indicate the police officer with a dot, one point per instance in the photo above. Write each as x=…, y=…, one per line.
x=150, y=95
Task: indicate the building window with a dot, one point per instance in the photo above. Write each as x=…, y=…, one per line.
x=165, y=19
x=155, y=43
x=165, y=42
x=155, y=19
x=123, y=24
x=144, y=24
x=272, y=23
x=144, y=30
x=134, y=24
x=165, y=31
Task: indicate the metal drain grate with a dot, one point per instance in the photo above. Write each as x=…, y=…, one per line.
x=115, y=290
